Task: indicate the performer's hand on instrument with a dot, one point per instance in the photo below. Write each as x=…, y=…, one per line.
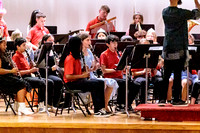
x=54, y=67
x=14, y=70
x=34, y=69
x=85, y=74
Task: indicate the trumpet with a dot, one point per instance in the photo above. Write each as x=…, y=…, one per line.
x=32, y=64
x=191, y=24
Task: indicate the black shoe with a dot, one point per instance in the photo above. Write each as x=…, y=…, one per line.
x=179, y=103
x=162, y=103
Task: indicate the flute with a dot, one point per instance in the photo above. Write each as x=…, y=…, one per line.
x=32, y=64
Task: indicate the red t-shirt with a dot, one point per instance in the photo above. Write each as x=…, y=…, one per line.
x=92, y=22
x=110, y=59
x=3, y=29
x=72, y=66
x=20, y=61
x=36, y=33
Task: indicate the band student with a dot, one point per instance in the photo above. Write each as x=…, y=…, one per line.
x=75, y=78
x=111, y=84
x=108, y=61
x=175, y=46
x=103, y=13
x=12, y=84
x=26, y=70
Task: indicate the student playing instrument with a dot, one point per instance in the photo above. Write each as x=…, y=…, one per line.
x=175, y=46
x=53, y=64
x=10, y=83
x=25, y=70
x=103, y=13
x=76, y=79
x=111, y=84
x=108, y=61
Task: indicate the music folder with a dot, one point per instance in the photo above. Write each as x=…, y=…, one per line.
x=45, y=48
x=127, y=52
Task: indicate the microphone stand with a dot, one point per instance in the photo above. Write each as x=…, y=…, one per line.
x=46, y=90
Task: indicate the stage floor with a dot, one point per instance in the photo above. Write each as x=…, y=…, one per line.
x=76, y=122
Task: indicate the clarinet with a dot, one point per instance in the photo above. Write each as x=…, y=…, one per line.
x=32, y=64
x=84, y=64
x=12, y=63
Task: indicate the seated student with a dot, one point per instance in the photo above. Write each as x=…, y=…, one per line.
x=38, y=31
x=12, y=84
x=137, y=19
x=26, y=70
x=101, y=34
x=110, y=84
x=151, y=36
x=193, y=78
x=154, y=78
x=126, y=38
x=52, y=64
x=76, y=79
x=140, y=34
x=108, y=61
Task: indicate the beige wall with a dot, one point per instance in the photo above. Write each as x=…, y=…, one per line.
x=75, y=14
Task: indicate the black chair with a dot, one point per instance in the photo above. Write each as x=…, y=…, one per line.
x=75, y=97
x=8, y=99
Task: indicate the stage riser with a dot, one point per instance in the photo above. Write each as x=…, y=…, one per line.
x=68, y=130
x=169, y=112
x=172, y=116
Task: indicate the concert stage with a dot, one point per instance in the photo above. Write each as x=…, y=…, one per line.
x=76, y=123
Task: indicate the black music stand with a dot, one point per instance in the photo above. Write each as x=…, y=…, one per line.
x=11, y=46
x=119, y=34
x=124, y=62
x=44, y=53
x=94, y=41
x=142, y=58
x=61, y=38
x=133, y=28
x=52, y=29
x=58, y=48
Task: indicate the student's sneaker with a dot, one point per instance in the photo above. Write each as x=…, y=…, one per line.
x=179, y=103
x=102, y=113
x=41, y=107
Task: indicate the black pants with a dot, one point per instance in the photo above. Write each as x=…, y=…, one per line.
x=170, y=66
x=141, y=81
x=132, y=91
x=96, y=87
x=35, y=82
x=196, y=89
x=56, y=89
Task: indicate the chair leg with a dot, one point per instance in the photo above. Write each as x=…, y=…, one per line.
x=8, y=103
x=80, y=106
x=86, y=107
x=29, y=104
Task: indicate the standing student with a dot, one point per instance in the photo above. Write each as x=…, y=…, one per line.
x=175, y=46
